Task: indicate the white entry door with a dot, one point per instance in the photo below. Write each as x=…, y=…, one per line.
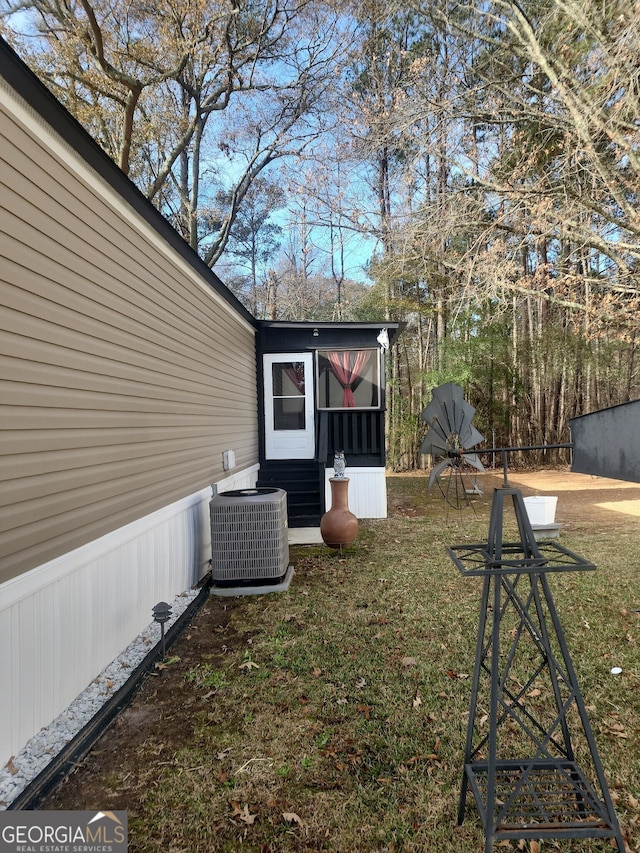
x=288, y=406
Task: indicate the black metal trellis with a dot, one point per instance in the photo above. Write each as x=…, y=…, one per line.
x=522, y=764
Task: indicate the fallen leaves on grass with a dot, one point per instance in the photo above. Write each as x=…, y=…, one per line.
x=614, y=728
x=242, y=814
x=533, y=845
x=292, y=817
x=451, y=673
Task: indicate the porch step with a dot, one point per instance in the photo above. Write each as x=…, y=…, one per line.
x=296, y=522
x=300, y=479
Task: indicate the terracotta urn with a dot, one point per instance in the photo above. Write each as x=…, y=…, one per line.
x=339, y=526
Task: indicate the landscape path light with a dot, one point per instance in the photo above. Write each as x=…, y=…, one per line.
x=161, y=614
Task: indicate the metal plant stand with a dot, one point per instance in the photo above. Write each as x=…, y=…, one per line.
x=531, y=760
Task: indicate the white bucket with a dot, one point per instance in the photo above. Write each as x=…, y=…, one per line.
x=541, y=509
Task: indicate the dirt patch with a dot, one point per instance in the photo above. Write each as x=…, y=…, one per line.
x=581, y=497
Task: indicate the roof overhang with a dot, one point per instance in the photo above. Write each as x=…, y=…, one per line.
x=393, y=328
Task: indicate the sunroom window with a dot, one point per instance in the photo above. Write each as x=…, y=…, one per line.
x=349, y=379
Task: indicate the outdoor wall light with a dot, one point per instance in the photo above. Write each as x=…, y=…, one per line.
x=161, y=614
x=315, y=333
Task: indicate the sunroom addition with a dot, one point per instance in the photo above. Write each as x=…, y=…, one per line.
x=323, y=392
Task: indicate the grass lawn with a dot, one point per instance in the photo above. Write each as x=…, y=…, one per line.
x=334, y=718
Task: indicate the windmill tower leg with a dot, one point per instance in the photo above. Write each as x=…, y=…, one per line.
x=520, y=762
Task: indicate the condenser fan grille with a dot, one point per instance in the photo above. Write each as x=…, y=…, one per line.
x=249, y=536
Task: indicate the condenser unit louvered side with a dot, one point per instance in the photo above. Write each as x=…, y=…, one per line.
x=249, y=537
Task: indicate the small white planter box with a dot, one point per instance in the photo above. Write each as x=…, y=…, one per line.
x=541, y=509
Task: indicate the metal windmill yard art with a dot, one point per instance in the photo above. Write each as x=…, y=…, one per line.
x=531, y=761
x=449, y=441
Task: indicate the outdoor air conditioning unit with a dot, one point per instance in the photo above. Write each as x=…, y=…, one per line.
x=249, y=537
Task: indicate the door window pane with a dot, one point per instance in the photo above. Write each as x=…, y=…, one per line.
x=288, y=395
x=288, y=413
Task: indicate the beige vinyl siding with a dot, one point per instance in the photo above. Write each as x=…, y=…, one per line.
x=122, y=376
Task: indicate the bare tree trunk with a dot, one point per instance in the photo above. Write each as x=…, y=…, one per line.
x=272, y=290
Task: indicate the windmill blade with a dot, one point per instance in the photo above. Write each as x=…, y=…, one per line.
x=439, y=426
x=460, y=414
x=433, y=444
x=449, y=391
x=472, y=438
x=436, y=441
x=437, y=470
x=465, y=427
x=437, y=411
x=445, y=399
x=450, y=413
x=447, y=405
x=474, y=460
x=451, y=399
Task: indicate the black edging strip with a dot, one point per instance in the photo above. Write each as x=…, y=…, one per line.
x=73, y=752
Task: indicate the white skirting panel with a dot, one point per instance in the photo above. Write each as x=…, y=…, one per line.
x=367, y=491
x=62, y=623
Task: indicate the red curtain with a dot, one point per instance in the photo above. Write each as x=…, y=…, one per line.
x=296, y=374
x=348, y=367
